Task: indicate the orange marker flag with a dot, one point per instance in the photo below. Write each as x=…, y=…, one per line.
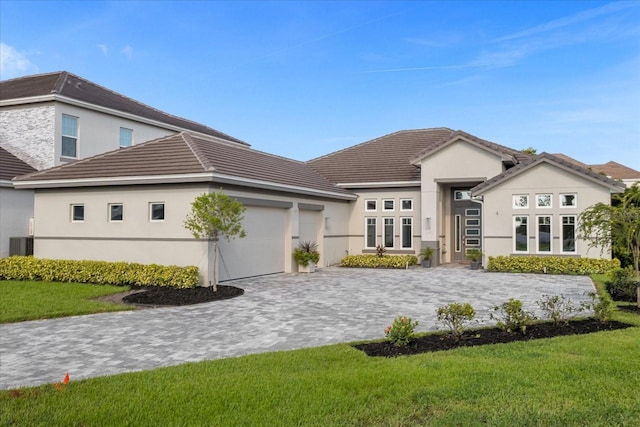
x=66, y=379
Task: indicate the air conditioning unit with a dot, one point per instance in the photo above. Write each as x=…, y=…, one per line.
x=20, y=246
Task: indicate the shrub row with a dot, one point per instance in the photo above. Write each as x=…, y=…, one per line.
x=98, y=272
x=375, y=261
x=552, y=265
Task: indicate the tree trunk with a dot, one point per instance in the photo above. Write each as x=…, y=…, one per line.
x=215, y=265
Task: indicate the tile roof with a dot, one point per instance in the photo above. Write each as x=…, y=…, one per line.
x=11, y=166
x=549, y=158
x=616, y=170
x=388, y=158
x=187, y=153
x=69, y=85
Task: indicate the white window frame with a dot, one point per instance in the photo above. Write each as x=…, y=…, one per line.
x=402, y=234
x=538, y=250
x=514, y=238
x=72, y=213
x=164, y=213
x=575, y=201
x=464, y=195
x=130, y=133
x=468, y=212
x=374, y=223
x=74, y=137
x=519, y=197
x=392, y=221
x=110, y=212
x=402, y=208
x=366, y=205
x=575, y=234
x=546, y=196
x=393, y=205
x=472, y=222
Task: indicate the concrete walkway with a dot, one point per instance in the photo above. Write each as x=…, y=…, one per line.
x=278, y=312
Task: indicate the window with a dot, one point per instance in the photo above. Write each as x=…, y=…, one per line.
x=472, y=232
x=568, y=200
x=407, y=233
x=388, y=205
x=69, y=136
x=77, y=213
x=520, y=201
x=472, y=222
x=370, y=233
x=388, y=232
x=568, y=234
x=115, y=212
x=156, y=211
x=472, y=212
x=473, y=242
x=544, y=234
x=371, y=205
x=462, y=195
x=543, y=200
x=521, y=233
x=406, y=205
x=126, y=137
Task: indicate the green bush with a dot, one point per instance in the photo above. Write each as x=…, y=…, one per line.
x=456, y=317
x=623, y=285
x=558, y=308
x=374, y=261
x=511, y=317
x=401, y=332
x=602, y=306
x=98, y=272
x=552, y=265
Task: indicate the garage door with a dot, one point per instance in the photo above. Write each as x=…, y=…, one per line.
x=261, y=251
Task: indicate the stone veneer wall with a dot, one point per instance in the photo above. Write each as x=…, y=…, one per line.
x=28, y=133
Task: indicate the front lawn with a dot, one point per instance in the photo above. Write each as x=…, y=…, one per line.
x=570, y=381
x=24, y=300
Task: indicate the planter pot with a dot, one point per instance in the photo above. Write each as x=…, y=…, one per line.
x=426, y=263
x=475, y=265
x=310, y=268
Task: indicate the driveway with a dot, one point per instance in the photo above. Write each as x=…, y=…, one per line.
x=278, y=312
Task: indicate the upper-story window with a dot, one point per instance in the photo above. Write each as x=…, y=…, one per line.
x=520, y=201
x=370, y=205
x=126, y=137
x=406, y=205
x=388, y=205
x=69, y=136
x=77, y=213
x=116, y=212
x=156, y=211
x=569, y=200
x=543, y=200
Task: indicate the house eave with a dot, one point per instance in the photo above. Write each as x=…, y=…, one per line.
x=382, y=184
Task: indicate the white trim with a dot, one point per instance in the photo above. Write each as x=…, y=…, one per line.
x=76, y=221
x=385, y=184
x=109, y=205
x=366, y=208
x=575, y=201
x=402, y=225
x=406, y=199
x=393, y=203
x=366, y=231
x=513, y=235
x=575, y=234
x=513, y=201
x=538, y=251
x=550, y=201
x=164, y=213
x=393, y=232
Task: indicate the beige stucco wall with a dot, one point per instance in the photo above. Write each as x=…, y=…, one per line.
x=357, y=223
x=542, y=179
x=16, y=208
x=136, y=239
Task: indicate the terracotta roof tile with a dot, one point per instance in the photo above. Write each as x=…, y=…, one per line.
x=11, y=166
x=616, y=170
x=69, y=85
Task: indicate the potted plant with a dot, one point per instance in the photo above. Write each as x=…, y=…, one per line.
x=307, y=256
x=474, y=255
x=426, y=254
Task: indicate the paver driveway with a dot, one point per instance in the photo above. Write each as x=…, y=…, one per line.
x=279, y=312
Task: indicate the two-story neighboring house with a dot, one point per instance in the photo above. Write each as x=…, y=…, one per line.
x=56, y=118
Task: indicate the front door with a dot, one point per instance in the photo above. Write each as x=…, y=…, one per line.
x=465, y=224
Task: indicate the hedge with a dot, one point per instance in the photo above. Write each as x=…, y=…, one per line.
x=374, y=261
x=552, y=265
x=97, y=272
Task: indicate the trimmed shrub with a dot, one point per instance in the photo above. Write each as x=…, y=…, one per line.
x=401, y=332
x=558, y=308
x=98, y=272
x=552, y=265
x=456, y=317
x=511, y=317
x=623, y=285
x=374, y=261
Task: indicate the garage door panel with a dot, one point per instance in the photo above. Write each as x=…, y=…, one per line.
x=261, y=251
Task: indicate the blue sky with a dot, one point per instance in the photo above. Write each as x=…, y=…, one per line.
x=302, y=79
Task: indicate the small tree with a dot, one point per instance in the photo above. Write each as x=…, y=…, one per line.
x=215, y=215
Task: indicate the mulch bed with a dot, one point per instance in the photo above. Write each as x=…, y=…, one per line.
x=630, y=308
x=440, y=342
x=164, y=296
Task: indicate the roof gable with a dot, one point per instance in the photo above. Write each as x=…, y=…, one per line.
x=189, y=157
x=554, y=161
x=68, y=85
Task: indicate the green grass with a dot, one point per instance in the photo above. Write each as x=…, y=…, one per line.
x=565, y=381
x=24, y=300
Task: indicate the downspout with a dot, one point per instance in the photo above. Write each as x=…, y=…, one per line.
x=480, y=201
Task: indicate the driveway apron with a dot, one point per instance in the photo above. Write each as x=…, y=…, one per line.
x=277, y=312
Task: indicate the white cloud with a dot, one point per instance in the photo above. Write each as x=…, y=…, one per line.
x=127, y=51
x=104, y=48
x=14, y=63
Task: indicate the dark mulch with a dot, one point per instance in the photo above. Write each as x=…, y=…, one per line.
x=158, y=295
x=439, y=342
x=630, y=308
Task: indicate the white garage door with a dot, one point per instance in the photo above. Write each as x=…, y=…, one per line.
x=261, y=251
